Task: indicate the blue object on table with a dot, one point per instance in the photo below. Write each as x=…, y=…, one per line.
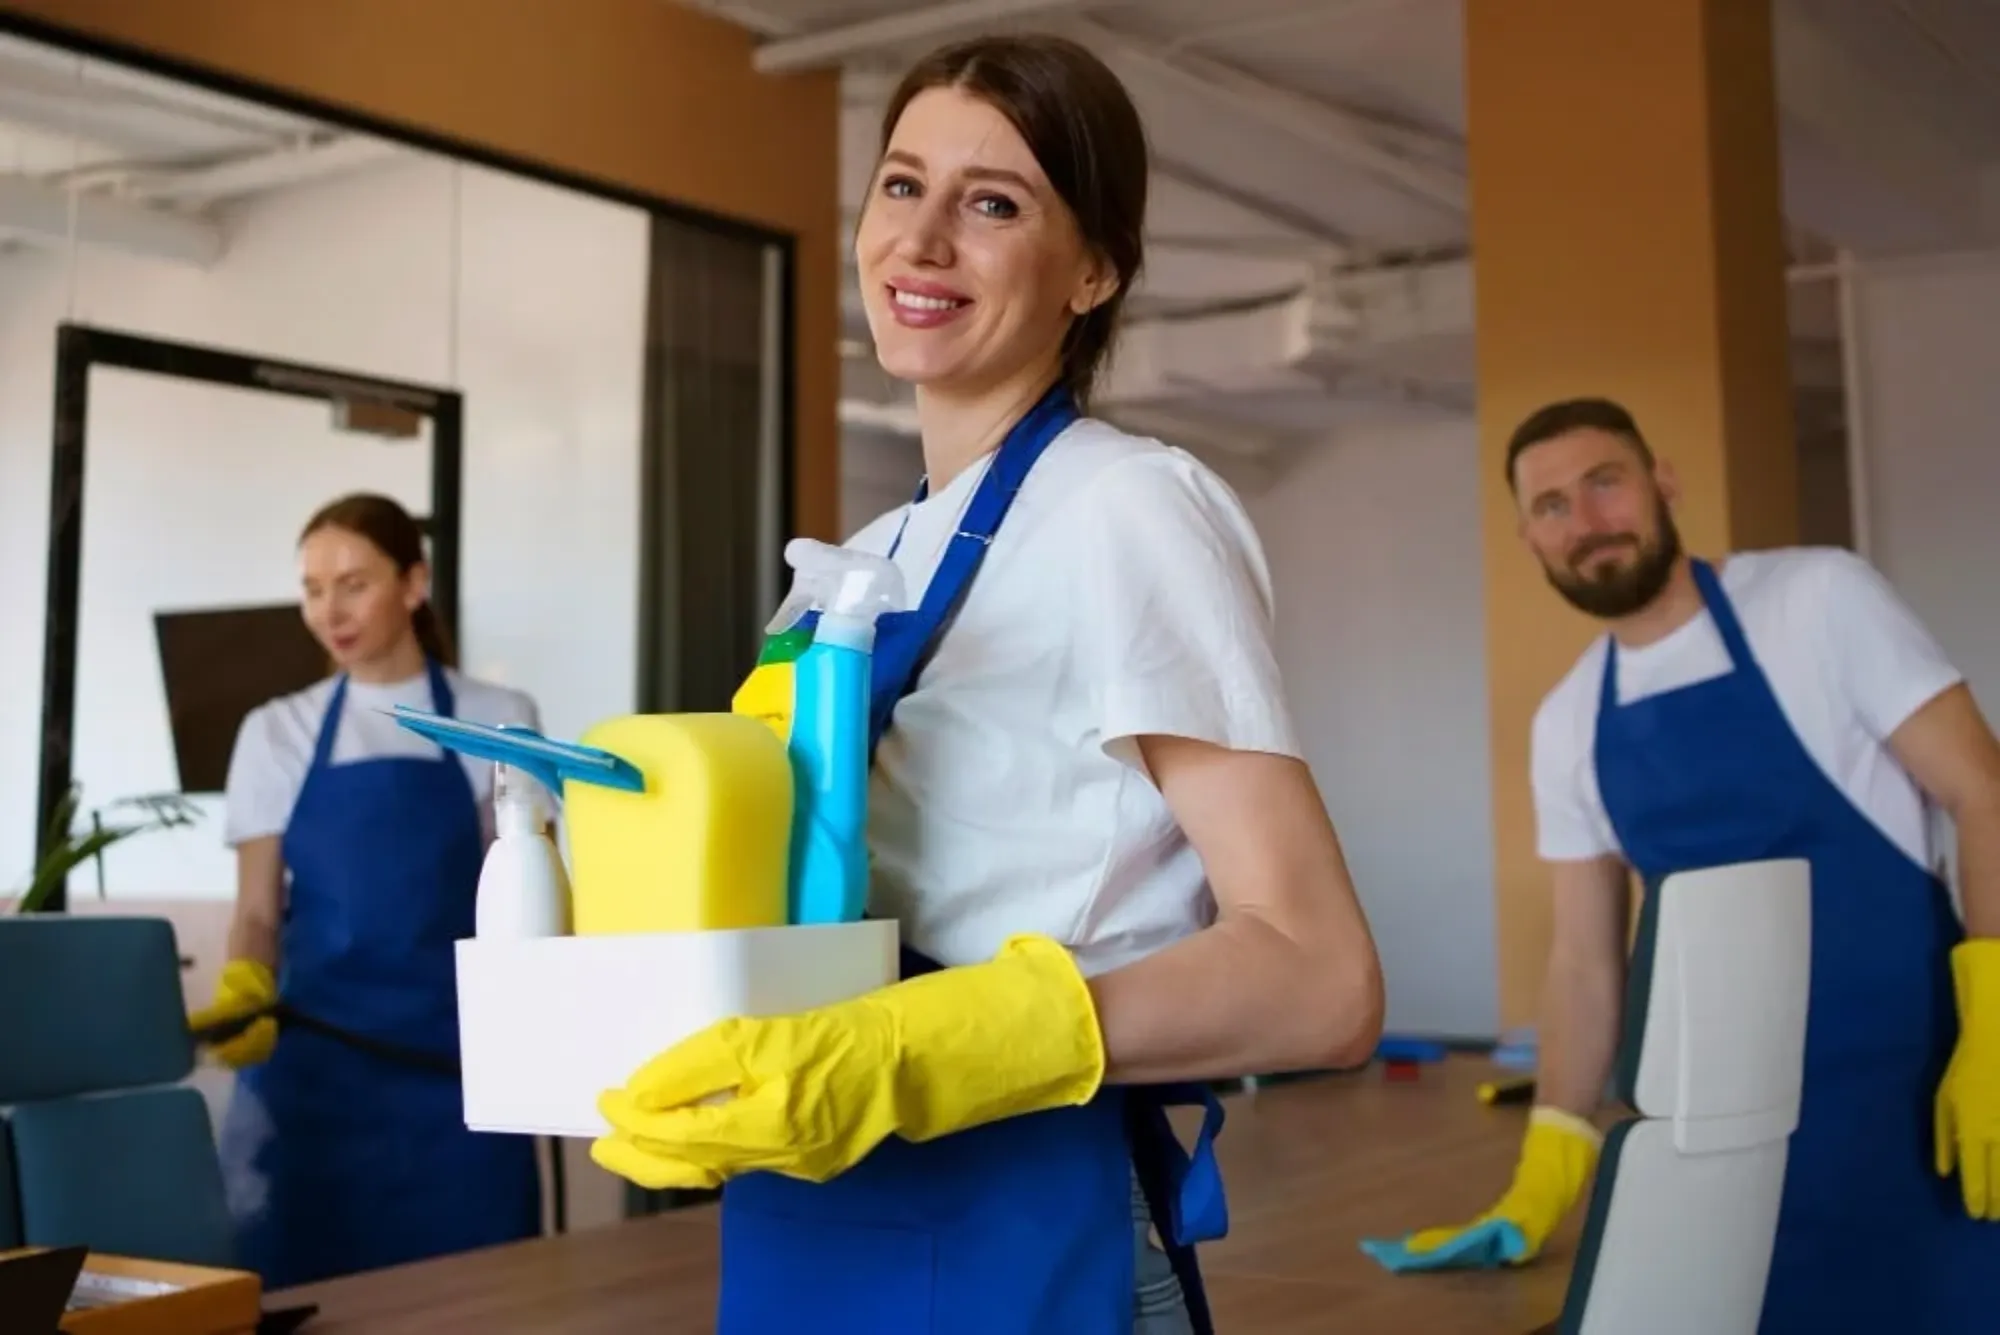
x=1486, y=1246
x=1516, y=1051
x=1409, y=1050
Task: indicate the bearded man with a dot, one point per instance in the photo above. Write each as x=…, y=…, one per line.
x=1772, y=704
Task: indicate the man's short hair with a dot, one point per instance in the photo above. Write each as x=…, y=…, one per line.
x=1567, y=415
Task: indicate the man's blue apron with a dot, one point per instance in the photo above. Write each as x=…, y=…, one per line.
x=362, y=1162
x=1018, y=1227
x=1869, y=1237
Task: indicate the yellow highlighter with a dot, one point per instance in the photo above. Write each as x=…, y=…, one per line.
x=1513, y=1089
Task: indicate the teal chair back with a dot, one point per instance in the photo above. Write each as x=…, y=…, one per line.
x=108, y=1149
x=10, y=1201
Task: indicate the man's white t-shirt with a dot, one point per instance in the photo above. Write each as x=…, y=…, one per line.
x=274, y=745
x=1846, y=658
x=1125, y=594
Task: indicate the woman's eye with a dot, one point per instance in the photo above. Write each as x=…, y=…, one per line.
x=899, y=187
x=995, y=206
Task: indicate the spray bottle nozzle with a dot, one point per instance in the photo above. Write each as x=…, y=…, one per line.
x=837, y=582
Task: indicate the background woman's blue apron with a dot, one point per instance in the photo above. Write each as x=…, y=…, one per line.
x=355, y=1162
x=1869, y=1237
x=1019, y=1227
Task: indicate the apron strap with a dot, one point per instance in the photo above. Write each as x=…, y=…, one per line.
x=329, y=725
x=1183, y=1191
x=900, y=654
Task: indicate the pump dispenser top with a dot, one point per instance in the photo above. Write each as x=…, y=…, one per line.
x=523, y=890
x=847, y=589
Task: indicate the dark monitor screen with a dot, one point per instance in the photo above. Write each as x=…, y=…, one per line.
x=218, y=665
x=35, y=1288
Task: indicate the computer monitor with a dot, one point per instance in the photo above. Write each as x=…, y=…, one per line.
x=35, y=1288
x=218, y=664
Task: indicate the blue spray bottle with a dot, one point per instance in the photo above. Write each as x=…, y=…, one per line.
x=829, y=737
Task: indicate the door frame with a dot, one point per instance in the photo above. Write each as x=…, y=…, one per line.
x=81, y=349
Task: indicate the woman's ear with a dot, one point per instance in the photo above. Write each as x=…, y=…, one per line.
x=1097, y=286
x=416, y=586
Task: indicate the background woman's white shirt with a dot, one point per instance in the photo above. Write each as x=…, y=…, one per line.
x=1126, y=594
x=274, y=745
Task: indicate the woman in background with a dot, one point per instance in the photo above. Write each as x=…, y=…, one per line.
x=358, y=848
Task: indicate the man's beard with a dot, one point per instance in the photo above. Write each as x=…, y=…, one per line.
x=1621, y=591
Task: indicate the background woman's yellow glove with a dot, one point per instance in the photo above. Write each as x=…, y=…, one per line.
x=244, y=988
x=810, y=1095
x=1968, y=1098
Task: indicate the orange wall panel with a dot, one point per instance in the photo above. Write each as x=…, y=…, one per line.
x=1628, y=240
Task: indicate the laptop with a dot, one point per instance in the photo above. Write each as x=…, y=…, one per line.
x=35, y=1287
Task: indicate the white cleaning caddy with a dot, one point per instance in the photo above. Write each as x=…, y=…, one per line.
x=548, y=1024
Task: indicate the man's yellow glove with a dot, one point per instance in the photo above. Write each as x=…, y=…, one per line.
x=1557, y=1158
x=244, y=988
x=810, y=1095
x=1968, y=1098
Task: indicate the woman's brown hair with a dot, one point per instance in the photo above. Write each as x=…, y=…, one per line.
x=400, y=538
x=1080, y=123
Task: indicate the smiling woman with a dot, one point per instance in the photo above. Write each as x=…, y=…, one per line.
x=990, y=264
x=1113, y=872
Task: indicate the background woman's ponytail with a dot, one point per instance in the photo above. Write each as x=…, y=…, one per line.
x=432, y=635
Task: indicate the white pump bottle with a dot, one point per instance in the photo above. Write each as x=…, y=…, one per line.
x=523, y=887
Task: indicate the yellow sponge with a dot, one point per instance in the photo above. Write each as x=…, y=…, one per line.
x=707, y=845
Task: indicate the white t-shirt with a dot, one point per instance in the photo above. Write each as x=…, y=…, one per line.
x=1126, y=593
x=1845, y=657
x=274, y=745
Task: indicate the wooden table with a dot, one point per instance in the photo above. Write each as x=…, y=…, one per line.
x=1311, y=1168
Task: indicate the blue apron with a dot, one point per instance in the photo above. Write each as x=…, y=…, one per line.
x=357, y=1162
x=1018, y=1227
x=1869, y=1237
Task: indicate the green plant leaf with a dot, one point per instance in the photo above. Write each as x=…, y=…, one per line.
x=70, y=848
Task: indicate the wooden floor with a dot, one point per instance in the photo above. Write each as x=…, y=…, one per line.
x=1311, y=1168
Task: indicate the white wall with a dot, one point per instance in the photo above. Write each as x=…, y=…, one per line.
x=1928, y=353
x=195, y=493
x=1929, y=344
x=1375, y=548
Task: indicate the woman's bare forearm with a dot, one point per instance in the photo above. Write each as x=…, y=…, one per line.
x=1239, y=998
x=260, y=882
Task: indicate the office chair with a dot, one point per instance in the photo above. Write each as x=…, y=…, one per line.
x=1684, y=1212
x=109, y=1152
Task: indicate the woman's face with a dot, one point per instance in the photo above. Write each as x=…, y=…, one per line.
x=971, y=266
x=357, y=604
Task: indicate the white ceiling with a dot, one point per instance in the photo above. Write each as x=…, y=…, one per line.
x=1309, y=155
x=112, y=157
x=1308, y=263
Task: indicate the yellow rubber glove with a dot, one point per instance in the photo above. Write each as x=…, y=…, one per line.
x=809, y=1095
x=1968, y=1098
x=244, y=987
x=1558, y=1156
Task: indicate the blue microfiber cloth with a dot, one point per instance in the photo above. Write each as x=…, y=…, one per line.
x=1486, y=1246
